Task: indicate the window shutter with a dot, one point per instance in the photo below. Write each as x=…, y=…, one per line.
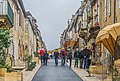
x=105, y=10
x=109, y=7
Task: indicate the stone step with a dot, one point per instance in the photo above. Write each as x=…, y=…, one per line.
x=97, y=69
x=117, y=63
x=20, y=63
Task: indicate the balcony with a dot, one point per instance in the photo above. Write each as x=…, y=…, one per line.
x=6, y=14
x=94, y=28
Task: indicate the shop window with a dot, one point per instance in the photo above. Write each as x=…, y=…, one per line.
x=98, y=10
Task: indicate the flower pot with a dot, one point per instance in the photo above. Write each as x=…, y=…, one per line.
x=117, y=64
x=2, y=72
x=97, y=69
x=11, y=76
x=36, y=59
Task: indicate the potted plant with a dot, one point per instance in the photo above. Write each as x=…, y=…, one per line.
x=31, y=66
x=4, y=44
x=89, y=26
x=36, y=54
x=36, y=57
x=96, y=24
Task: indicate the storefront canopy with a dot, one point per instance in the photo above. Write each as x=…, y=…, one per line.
x=108, y=35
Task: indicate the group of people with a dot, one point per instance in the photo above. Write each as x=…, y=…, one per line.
x=44, y=56
x=84, y=56
x=62, y=54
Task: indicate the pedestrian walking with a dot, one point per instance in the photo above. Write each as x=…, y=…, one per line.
x=63, y=55
x=41, y=54
x=45, y=58
x=70, y=57
x=56, y=54
x=51, y=56
x=87, y=54
x=76, y=57
x=81, y=58
x=90, y=58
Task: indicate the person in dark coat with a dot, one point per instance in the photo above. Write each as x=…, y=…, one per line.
x=81, y=58
x=63, y=56
x=76, y=54
x=70, y=57
x=90, y=57
x=45, y=58
x=51, y=56
x=86, y=53
x=56, y=54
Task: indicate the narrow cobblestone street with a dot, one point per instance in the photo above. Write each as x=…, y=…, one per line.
x=55, y=73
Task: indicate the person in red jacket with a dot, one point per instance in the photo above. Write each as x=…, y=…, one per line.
x=42, y=54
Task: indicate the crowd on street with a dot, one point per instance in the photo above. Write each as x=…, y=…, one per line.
x=83, y=55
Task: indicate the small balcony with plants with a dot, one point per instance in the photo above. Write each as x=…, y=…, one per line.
x=6, y=14
x=94, y=28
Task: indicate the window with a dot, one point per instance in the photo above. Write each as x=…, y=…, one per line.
x=109, y=7
x=119, y=3
x=98, y=10
x=20, y=14
x=105, y=10
x=15, y=19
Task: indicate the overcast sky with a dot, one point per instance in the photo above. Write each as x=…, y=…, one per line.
x=52, y=17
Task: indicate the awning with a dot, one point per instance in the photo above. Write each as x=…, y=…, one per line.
x=108, y=35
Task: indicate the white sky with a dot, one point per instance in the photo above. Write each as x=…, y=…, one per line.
x=52, y=17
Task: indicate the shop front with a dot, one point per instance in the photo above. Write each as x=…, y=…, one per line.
x=109, y=37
